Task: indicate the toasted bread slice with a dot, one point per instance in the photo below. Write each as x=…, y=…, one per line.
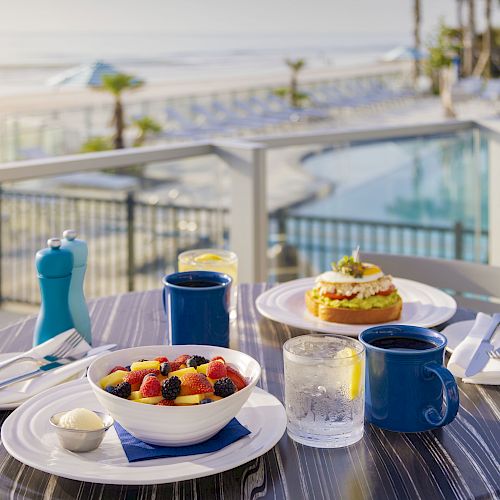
x=353, y=316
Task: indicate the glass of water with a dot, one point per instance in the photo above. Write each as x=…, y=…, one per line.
x=324, y=389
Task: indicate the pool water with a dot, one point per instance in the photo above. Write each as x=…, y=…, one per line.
x=436, y=180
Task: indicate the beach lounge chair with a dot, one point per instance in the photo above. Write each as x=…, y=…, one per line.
x=233, y=119
x=249, y=111
x=187, y=127
x=467, y=88
x=284, y=108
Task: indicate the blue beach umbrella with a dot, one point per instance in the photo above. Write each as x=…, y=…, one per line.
x=86, y=75
x=404, y=54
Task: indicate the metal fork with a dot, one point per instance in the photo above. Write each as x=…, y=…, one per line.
x=64, y=348
x=495, y=354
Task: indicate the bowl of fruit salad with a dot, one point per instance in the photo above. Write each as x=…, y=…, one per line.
x=173, y=395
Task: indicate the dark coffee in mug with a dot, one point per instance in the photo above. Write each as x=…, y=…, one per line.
x=402, y=343
x=198, y=284
x=406, y=381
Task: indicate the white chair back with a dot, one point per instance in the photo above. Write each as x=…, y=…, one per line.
x=475, y=286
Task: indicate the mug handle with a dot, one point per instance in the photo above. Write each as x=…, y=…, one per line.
x=450, y=392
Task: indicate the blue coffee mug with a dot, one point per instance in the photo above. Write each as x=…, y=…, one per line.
x=404, y=386
x=196, y=305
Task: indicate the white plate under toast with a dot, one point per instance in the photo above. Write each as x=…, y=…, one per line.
x=423, y=305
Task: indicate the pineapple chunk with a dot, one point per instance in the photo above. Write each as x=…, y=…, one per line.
x=192, y=399
x=113, y=379
x=202, y=368
x=145, y=365
x=149, y=401
x=135, y=395
x=183, y=371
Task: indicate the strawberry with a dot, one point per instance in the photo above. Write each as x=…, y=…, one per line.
x=166, y=402
x=236, y=377
x=150, y=387
x=216, y=369
x=182, y=358
x=116, y=368
x=215, y=358
x=162, y=359
x=136, y=377
x=174, y=366
x=194, y=383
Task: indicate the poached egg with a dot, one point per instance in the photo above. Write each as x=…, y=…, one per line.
x=370, y=273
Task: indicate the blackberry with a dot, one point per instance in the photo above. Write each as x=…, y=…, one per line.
x=122, y=390
x=165, y=368
x=224, y=387
x=127, y=368
x=205, y=401
x=171, y=388
x=195, y=361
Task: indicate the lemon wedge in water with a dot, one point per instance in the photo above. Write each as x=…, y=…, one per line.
x=207, y=257
x=354, y=367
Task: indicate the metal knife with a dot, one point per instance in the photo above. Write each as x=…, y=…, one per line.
x=50, y=366
x=480, y=356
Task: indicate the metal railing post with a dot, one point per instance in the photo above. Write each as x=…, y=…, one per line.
x=248, y=217
x=130, y=241
x=1, y=243
x=458, y=231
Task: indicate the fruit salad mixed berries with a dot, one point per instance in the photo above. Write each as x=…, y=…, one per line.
x=185, y=380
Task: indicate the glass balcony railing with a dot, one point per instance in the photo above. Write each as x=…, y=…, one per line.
x=420, y=191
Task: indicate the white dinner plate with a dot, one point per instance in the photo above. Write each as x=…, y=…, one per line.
x=12, y=406
x=28, y=437
x=423, y=305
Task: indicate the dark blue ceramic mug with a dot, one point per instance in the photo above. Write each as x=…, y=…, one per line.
x=406, y=379
x=196, y=305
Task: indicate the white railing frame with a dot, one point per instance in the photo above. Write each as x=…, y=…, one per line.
x=246, y=159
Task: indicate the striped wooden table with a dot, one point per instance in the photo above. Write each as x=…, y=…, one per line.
x=458, y=461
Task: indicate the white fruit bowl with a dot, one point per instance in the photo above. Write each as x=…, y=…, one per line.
x=173, y=425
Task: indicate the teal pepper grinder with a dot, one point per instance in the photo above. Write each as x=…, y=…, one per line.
x=77, y=303
x=54, y=265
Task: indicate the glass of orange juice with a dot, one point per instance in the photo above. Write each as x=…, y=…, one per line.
x=211, y=259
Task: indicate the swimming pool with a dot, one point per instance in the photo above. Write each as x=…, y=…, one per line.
x=436, y=180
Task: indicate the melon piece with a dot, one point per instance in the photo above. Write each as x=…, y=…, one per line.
x=113, y=379
x=145, y=365
x=149, y=401
x=135, y=395
x=183, y=371
x=202, y=368
x=192, y=399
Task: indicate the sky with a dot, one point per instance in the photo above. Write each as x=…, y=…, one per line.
x=384, y=17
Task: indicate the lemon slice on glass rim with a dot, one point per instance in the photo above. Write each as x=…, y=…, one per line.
x=208, y=257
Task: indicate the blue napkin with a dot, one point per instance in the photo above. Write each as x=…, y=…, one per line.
x=137, y=450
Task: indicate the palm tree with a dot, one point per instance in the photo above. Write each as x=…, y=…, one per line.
x=296, y=66
x=416, y=38
x=116, y=84
x=96, y=144
x=469, y=39
x=146, y=126
x=443, y=49
x=484, y=62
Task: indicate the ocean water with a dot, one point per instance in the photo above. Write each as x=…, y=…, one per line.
x=27, y=60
